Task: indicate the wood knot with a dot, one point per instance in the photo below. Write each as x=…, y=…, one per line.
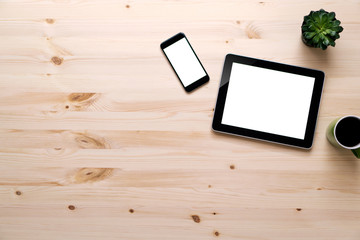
x=57, y=60
x=18, y=193
x=298, y=209
x=71, y=207
x=252, y=32
x=131, y=210
x=214, y=213
x=232, y=166
x=49, y=20
x=238, y=22
x=87, y=142
x=216, y=233
x=92, y=174
x=80, y=97
x=127, y=6
x=196, y=218
x=81, y=101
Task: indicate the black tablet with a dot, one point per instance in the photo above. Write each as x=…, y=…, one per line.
x=268, y=101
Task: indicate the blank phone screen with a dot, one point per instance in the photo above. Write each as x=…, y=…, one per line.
x=268, y=100
x=184, y=62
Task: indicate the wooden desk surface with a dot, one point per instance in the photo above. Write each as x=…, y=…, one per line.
x=99, y=140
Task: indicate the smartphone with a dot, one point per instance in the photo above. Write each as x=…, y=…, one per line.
x=184, y=61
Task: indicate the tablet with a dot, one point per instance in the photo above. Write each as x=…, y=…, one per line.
x=268, y=101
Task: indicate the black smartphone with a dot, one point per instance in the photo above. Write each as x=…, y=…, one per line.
x=184, y=61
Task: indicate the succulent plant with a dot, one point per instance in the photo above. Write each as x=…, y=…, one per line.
x=320, y=29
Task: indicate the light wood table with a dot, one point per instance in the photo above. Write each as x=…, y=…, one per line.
x=99, y=140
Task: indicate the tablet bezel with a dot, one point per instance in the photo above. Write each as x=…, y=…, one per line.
x=313, y=111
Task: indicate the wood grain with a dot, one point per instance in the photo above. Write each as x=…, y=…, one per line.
x=99, y=141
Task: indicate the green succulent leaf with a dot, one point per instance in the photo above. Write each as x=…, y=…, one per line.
x=312, y=27
x=316, y=38
x=326, y=41
x=309, y=35
x=328, y=31
x=320, y=29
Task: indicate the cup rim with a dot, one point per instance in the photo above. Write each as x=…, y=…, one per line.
x=350, y=148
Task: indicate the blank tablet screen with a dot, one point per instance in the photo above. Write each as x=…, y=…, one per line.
x=268, y=100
